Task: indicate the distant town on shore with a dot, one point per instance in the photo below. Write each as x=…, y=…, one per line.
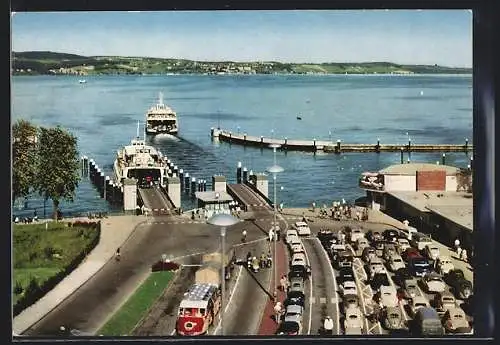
x=53, y=63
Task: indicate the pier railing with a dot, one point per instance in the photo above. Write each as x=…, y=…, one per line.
x=335, y=147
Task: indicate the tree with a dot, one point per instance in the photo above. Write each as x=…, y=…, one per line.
x=24, y=158
x=58, y=169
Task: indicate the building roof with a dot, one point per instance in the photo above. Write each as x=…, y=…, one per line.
x=412, y=168
x=454, y=206
x=210, y=196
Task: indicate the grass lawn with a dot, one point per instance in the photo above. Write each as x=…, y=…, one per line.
x=127, y=317
x=40, y=253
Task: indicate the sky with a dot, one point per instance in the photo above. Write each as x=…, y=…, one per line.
x=442, y=37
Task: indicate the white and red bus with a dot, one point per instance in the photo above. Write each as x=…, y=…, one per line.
x=198, y=308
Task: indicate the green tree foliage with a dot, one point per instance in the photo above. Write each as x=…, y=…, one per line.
x=58, y=168
x=24, y=154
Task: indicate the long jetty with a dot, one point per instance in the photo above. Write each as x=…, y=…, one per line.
x=335, y=147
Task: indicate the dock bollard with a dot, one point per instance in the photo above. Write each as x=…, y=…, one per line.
x=204, y=185
x=409, y=144
x=238, y=173
x=261, y=141
x=402, y=156
x=284, y=145
x=181, y=178
x=443, y=159
x=471, y=163
x=193, y=185
x=245, y=138
x=186, y=182
x=314, y=145
x=96, y=176
x=102, y=181
x=245, y=175
x=176, y=170
x=200, y=185
x=107, y=189
x=377, y=148
x=466, y=144
x=337, y=149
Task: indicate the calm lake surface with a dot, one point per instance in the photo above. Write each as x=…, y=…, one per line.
x=103, y=114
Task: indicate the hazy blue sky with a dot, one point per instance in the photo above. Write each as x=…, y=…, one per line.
x=443, y=37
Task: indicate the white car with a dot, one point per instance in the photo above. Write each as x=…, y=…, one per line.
x=294, y=242
x=356, y=234
x=353, y=321
x=298, y=259
x=395, y=262
x=417, y=302
x=291, y=233
x=402, y=244
x=388, y=296
x=432, y=252
x=302, y=229
x=349, y=288
x=296, y=248
x=294, y=310
x=433, y=282
x=444, y=265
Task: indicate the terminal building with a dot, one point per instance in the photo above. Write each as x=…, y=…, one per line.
x=435, y=199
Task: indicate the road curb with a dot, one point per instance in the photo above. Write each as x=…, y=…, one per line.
x=83, y=283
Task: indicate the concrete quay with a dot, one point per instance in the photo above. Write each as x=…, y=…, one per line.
x=335, y=147
x=114, y=233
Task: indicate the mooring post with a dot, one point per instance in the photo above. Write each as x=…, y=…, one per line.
x=471, y=163
x=402, y=156
x=245, y=138
x=284, y=146
x=377, y=148
x=443, y=160
x=314, y=144
x=261, y=141
x=409, y=145
x=238, y=173
x=337, y=149
x=466, y=144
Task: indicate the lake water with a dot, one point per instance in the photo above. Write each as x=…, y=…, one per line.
x=103, y=114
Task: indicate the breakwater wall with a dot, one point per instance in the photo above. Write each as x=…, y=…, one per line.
x=334, y=147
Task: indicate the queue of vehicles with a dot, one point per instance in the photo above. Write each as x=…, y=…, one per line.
x=415, y=265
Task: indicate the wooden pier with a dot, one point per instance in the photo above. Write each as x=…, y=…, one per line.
x=331, y=146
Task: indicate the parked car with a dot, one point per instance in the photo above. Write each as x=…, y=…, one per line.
x=388, y=296
x=290, y=326
x=296, y=285
x=392, y=318
x=395, y=262
x=419, y=240
x=455, y=321
x=378, y=280
x=390, y=235
x=295, y=297
x=461, y=287
x=290, y=233
x=401, y=275
x=432, y=252
x=298, y=259
x=374, y=236
x=356, y=233
x=301, y=271
x=433, y=283
x=294, y=310
x=402, y=244
x=360, y=245
x=444, y=301
x=411, y=253
x=368, y=254
x=417, y=302
x=349, y=301
x=379, y=247
x=353, y=324
x=444, y=265
x=348, y=288
x=411, y=288
x=419, y=267
x=302, y=229
x=389, y=249
x=346, y=274
x=297, y=248
x=426, y=322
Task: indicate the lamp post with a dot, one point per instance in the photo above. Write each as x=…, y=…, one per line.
x=275, y=169
x=223, y=220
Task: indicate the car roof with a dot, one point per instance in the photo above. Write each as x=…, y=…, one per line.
x=419, y=299
x=428, y=312
x=294, y=308
x=300, y=223
x=292, y=318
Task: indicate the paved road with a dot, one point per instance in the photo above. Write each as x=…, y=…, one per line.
x=249, y=197
x=88, y=308
x=155, y=199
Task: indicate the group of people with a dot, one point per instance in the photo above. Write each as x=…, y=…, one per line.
x=262, y=262
x=461, y=252
x=340, y=210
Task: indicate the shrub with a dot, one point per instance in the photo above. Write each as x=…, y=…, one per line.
x=164, y=266
x=18, y=289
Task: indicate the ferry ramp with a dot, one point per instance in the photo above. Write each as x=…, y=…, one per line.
x=246, y=196
x=156, y=200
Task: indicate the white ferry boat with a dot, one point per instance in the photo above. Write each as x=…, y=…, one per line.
x=160, y=118
x=140, y=161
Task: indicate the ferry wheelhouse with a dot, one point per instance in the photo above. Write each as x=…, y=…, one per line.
x=198, y=309
x=160, y=118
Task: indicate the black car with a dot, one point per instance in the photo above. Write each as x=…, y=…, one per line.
x=378, y=280
x=295, y=298
x=299, y=271
x=346, y=274
x=326, y=236
x=373, y=236
x=461, y=287
x=390, y=234
x=419, y=267
x=401, y=275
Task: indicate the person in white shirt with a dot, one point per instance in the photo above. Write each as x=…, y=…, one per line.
x=328, y=325
x=271, y=235
x=277, y=311
x=457, y=244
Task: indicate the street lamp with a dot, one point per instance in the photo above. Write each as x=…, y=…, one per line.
x=275, y=169
x=223, y=220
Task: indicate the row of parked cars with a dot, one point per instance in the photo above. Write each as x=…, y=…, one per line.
x=415, y=263
x=299, y=271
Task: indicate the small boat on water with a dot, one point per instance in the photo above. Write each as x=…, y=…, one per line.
x=299, y=118
x=160, y=118
x=82, y=81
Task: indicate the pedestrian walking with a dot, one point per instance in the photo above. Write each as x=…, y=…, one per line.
x=328, y=325
x=457, y=244
x=271, y=235
x=463, y=255
x=277, y=312
x=283, y=284
x=459, y=252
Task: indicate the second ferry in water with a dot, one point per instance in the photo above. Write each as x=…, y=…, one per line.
x=160, y=118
